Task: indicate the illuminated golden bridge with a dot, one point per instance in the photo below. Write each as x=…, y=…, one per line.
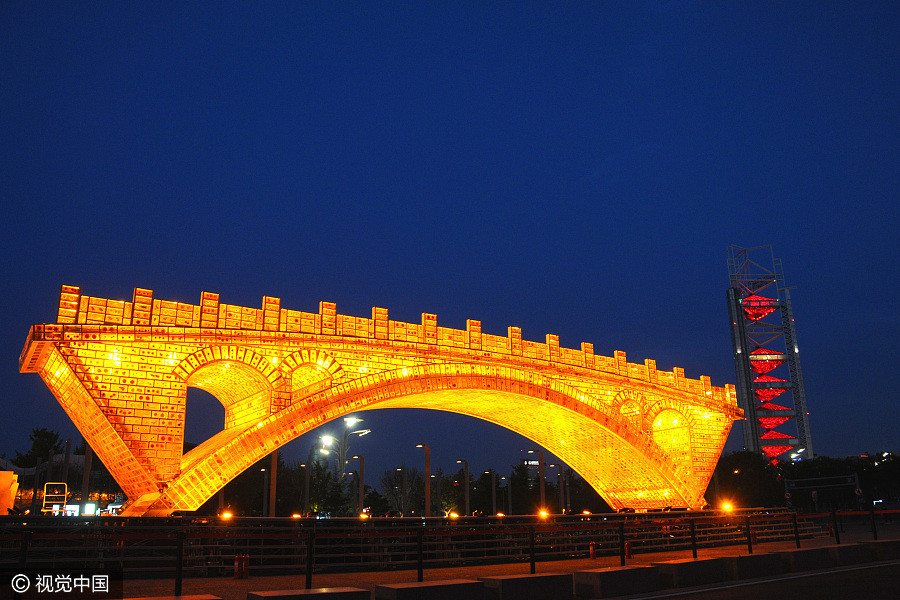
x=643, y=438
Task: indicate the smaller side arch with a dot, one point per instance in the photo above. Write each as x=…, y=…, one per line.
x=239, y=354
x=633, y=408
x=309, y=372
x=671, y=430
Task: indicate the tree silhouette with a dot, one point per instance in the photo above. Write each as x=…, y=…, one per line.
x=43, y=443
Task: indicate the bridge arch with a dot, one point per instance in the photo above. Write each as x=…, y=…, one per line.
x=310, y=371
x=624, y=465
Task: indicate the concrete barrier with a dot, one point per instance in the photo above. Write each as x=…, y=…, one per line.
x=883, y=549
x=687, y=572
x=449, y=589
x=194, y=597
x=616, y=581
x=540, y=586
x=804, y=559
x=750, y=566
x=335, y=593
x=844, y=555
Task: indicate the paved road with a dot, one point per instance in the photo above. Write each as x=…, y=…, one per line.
x=236, y=589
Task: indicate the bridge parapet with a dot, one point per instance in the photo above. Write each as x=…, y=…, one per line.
x=151, y=319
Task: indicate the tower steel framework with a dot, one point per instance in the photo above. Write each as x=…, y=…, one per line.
x=766, y=356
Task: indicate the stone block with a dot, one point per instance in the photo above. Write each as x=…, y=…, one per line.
x=334, y=593
x=191, y=597
x=540, y=586
x=842, y=555
x=687, y=572
x=883, y=549
x=804, y=559
x=616, y=581
x=750, y=566
x=448, y=589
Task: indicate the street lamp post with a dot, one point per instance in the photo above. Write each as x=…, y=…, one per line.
x=362, y=479
x=427, y=478
x=437, y=480
x=493, y=491
x=561, y=484
x=508, y=493
x=306, y=489
x=404, y=486
x=465, y=464
x=343, y=444
x=265, y=505
x=273, y=476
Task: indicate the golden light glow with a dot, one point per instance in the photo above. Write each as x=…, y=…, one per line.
x=363, y=515
x=500, y=514
x=226, y=515
x=543, y=514
x=641, y=437
x=727, y=507
x=296, y=516
x=453, y=515
x=585, y=512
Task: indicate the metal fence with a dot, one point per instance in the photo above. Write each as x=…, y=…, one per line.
x=213, y=547
x=207, y=547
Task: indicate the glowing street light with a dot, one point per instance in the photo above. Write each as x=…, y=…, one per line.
x=342, y=444
x=465, y=464
x=427, y=478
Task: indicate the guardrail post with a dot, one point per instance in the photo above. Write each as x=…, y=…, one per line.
x=837, y=533
x=796, y=529
x=694, y=537
x=23, y=550
x=420, y=535
x=622, y=543
x=310, y=548
x=531, y=547
x=874, y=528
x=749, y=539
x=179, y=559
x=23, y=558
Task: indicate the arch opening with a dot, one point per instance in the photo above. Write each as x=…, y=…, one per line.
x=309, y=378
x=618, y=471
x=672, y=432
x=627, y=468
x=245, y=395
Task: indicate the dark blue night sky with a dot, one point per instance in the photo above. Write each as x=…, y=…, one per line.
x=577, y=169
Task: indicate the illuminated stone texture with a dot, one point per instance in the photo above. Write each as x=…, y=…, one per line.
x=642, y=438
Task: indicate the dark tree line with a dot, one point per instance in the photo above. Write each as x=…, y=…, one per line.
x=741, y=478
x=746, y=479
x=47, y=454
